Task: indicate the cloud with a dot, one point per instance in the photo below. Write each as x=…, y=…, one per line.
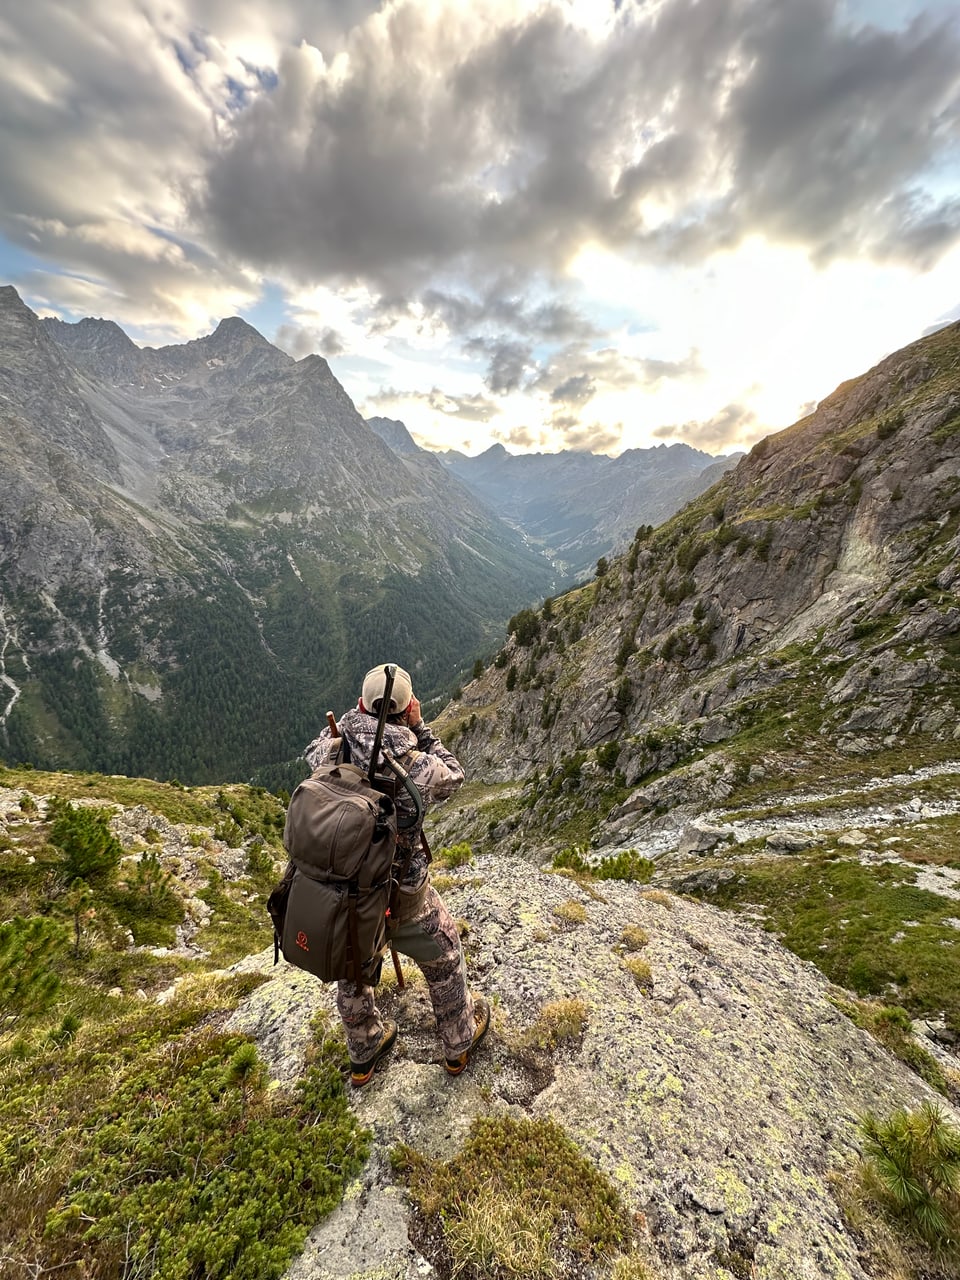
x=576, y=373
x=470, y=407
x=507, y=362
x=299, y=341
x=577, y=389
x=734, y=425
x=595, y=437
x=445, y=138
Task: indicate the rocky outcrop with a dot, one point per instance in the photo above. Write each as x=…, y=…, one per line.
x=721, y=1095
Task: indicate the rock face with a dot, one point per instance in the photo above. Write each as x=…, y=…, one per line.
x=204, y=546
x=817, y=582
x=720, y=1094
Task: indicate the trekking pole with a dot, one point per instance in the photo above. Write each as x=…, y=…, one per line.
x=390, y=674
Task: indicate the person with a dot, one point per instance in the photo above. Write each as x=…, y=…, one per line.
x=423, y=928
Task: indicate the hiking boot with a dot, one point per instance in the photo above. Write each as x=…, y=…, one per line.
x=481, y=1015
x=360, y=1072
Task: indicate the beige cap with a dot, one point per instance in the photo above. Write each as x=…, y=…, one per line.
x=374, y=683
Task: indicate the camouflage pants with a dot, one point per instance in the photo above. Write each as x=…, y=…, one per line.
x=432, y=942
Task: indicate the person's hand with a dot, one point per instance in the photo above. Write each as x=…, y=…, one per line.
x=414, y=714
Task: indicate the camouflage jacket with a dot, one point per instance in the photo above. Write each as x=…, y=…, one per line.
x=435, y=770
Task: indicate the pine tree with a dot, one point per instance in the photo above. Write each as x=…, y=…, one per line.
x=915, y=1156
x=28, y=983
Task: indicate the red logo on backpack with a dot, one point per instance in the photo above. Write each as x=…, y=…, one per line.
x=302, y=941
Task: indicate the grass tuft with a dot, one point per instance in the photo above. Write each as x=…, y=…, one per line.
x=519, y=1202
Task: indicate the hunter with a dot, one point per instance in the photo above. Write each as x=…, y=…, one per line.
x=423, y=928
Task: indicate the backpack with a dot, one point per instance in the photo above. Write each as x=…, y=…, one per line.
x=330, y=909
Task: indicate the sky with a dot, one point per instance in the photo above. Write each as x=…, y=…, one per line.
x=571, y=224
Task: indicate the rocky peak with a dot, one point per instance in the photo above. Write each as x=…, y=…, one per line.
x=99, y=347
x=395, y=434
x=43, y=391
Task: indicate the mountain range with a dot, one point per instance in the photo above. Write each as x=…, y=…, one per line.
x=804, y=609
x=578, y=507
x=575, y=506
x=204, y=545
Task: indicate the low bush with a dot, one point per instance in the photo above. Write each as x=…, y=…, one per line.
x=152, y=1147
x=628, y=864
x=454, y=855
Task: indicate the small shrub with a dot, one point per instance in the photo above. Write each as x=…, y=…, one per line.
x=626, y=865
x=229, y=832
x=640, y=971
x=912, y=1159
x=559, y=1021
x=571, y=911
x=887, y=426
x=634, y=938
x=91, y=852
x=454, y=855
x=28, y=951
x=27, y=803
x=607, y=755
x=631, y=1267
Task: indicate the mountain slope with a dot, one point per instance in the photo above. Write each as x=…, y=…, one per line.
x=204, y=546
x=690, y=1085
x=808, y=600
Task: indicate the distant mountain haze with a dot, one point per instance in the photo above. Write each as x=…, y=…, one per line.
x=574, y=506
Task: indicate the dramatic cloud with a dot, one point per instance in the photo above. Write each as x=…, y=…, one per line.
x=471, y=408
x=299, y=342
x=679, y=129
x=556, y=211
x=576, y=373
